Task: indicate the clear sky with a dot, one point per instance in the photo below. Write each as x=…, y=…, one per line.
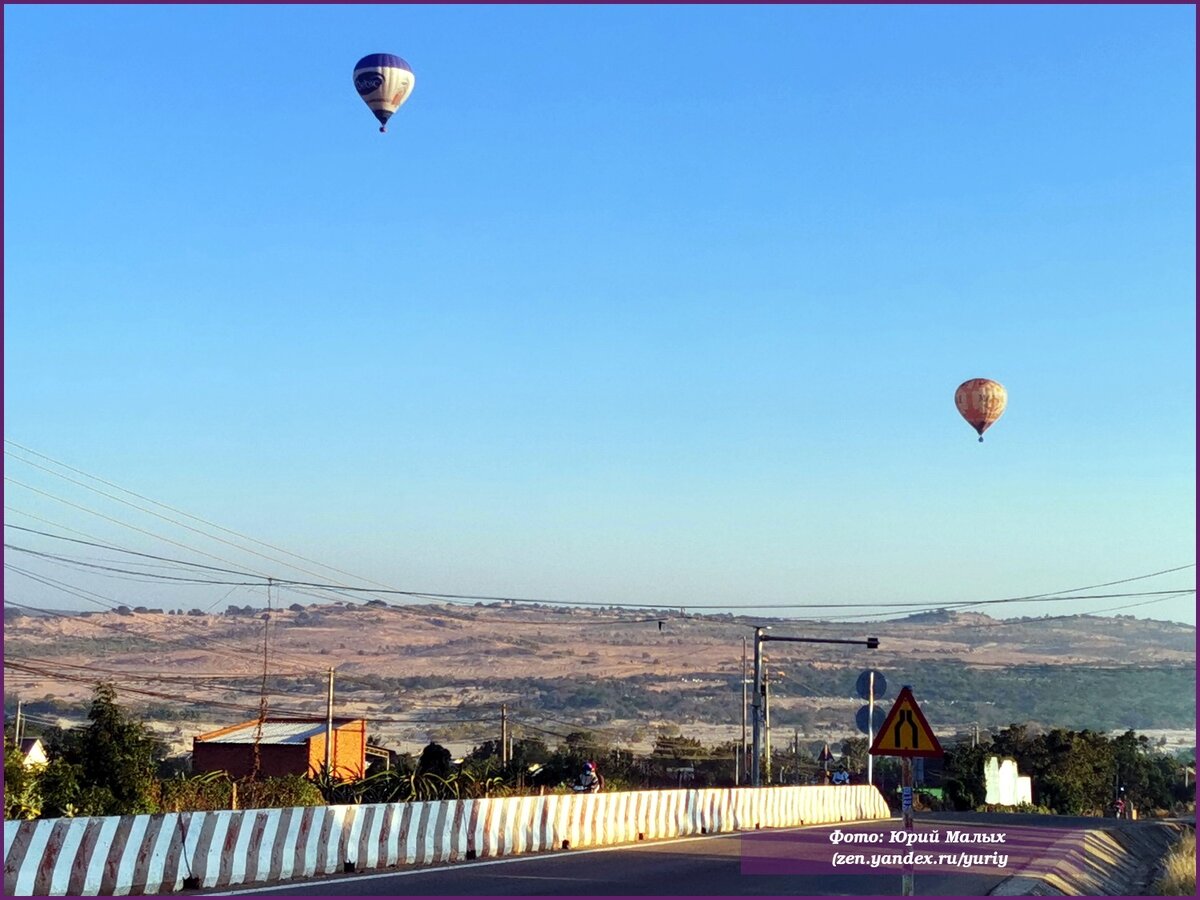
x=630, y=304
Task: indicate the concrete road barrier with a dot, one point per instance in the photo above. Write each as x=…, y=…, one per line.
x=1116, y=861
x=152, y=854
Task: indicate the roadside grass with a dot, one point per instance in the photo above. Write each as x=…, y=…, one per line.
x=1179, y=870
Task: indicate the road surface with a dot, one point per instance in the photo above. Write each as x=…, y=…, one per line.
x=698, y=866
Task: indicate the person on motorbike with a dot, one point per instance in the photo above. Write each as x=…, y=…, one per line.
x=841, y=776
x=589, y=781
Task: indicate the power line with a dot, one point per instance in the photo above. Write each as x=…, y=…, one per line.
x=92, y=674
x=577, y=725
x=108, y=518
x=189, y=678
x=37, y=518
x=178, y=511
x=158, y=515
x=345, y=589
x=148, y=512
x=1050, y=597
x=199, y=640
x=1093, y=612
x=149, y=577
x=81, y=593
x=101, y=546
x=159, y=695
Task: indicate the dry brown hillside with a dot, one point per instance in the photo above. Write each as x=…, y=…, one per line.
x=413, y=662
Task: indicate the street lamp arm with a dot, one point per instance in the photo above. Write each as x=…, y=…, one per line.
x=871, y=642
x=760, y=695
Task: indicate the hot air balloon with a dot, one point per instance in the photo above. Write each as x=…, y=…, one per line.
x=384, y=82
x=981, y=402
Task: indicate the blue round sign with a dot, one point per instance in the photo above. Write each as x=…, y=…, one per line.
x=863, y=685
x=860, y=717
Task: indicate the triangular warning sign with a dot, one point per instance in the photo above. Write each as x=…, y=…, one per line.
x=905, y=732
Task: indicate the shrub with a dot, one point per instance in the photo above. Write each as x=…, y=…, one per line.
x=1031, y=808
x=1179, y=869
x=274, y=793
x=208, y=791
x=22, y=797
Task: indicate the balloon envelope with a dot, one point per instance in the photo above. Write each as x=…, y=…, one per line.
x=384, y=82
x=981, y=402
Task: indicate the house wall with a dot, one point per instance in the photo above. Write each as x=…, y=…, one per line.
x=238, y=759
x=349, y=756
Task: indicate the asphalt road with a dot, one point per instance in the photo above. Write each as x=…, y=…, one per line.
x=703, y=866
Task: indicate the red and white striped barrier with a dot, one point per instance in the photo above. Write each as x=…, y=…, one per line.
x=155, y=854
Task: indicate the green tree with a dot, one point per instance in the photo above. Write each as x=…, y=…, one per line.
x=488, y=750
x=435, y=760
x=120, y=754
x=854, y=754
x=1078, y=774
x=108, y=767
x=962, y=776
x=530, y=752
x=678, y=749
x=66, y=792
x=22, y=797
x=581, y=746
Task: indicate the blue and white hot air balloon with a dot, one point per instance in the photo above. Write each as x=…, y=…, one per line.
x=384, y=82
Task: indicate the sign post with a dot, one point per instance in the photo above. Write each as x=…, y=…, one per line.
x=905, y=732
x=824, y=757
x=906, y=806
x=870, y=684
x=871, y=728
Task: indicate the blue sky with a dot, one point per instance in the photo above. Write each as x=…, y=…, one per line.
x=630, y=304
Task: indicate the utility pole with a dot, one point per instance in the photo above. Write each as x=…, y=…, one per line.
x=767, y=720
x=504, y=734
x=329, y=727
x=744, y=753
x=756, y=756
x=18, y=726
x=262, y=700
x=871, y=643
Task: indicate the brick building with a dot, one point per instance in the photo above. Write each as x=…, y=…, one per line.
x=285, y=747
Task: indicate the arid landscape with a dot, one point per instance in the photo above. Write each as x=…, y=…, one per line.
x=424, y=671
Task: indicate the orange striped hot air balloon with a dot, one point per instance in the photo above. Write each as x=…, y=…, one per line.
x=981, y=402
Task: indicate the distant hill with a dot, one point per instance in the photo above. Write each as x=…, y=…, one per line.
x=415, y=663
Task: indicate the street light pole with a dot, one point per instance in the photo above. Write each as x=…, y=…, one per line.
x=871, y=643
x=756, y=728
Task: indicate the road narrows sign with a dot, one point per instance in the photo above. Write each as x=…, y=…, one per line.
x=905, y=731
